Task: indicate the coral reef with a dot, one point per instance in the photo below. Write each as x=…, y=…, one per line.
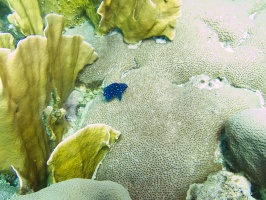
x=177, y=61
x=144, y=19
x=246, y=137
x=85, y=148
x=80, y=189
x=140, y=19
x=38, y=67
x=170, y=134
x=179, y=98
x=167, y=121
x=221, y=185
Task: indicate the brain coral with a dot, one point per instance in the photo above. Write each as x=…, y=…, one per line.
x=198, y=47
x=80, y=189
x=170, y=125
x=246, y=133
x=170, y=135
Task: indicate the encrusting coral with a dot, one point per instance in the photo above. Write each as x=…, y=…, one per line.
x=140, y=19
x=38, y=67
x=79, y=155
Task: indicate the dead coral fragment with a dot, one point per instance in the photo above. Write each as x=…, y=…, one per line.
x=221, y=185
x=140, y=19
x=79, y=155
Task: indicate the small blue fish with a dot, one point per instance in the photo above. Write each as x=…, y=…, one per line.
x=114, y=90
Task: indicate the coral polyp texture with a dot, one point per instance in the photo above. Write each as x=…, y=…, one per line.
x=170, y=117
x=140, y=19
x=170, y=134
x=38, y=67
x=246, y=135
x=80, y=189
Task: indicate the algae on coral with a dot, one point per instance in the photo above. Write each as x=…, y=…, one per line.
x=74, y=11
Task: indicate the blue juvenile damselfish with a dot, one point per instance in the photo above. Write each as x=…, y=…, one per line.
x=114, y=90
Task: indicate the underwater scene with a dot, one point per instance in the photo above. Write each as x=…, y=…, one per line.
x=133, y=99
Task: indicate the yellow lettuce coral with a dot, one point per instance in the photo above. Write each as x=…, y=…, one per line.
x=79, y=155
x=38, y=67
x=140, y=19
x=6, y=41
x=26, y=16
